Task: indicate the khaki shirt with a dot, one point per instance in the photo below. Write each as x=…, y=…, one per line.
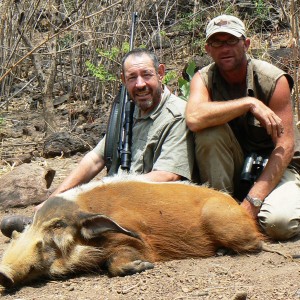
x=161, y=140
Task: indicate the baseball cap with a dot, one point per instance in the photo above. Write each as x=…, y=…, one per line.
x=226, y=23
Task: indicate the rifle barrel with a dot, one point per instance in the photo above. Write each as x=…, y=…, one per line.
x=118, y=151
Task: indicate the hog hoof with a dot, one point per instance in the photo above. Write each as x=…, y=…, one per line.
x=136, y=266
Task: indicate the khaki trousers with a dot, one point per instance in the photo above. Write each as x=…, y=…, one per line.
x=220, y=159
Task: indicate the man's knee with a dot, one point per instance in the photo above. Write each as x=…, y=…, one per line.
x=219, y=157
x=211, y=136
x=279, y=226
x=280, y=214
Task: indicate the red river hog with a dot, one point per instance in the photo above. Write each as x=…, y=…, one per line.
x=123, y=226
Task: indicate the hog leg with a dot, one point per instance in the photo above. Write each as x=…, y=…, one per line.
x=127, y=261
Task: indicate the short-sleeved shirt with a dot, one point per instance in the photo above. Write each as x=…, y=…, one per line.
x=260, y=83
x=161, y=140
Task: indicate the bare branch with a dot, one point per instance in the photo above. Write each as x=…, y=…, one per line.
x=56, y=34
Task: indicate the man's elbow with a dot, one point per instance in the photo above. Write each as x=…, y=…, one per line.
x=93, y=161
x=193, y=124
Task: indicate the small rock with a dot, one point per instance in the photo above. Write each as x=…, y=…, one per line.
x=240, y=296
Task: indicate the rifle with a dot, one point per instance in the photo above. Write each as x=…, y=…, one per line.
x=117, y=151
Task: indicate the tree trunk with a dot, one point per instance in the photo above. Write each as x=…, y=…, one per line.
x=48, y=107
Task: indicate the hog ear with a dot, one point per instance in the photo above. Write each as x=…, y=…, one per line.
x=94, y=225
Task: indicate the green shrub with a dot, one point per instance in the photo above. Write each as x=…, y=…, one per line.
x=110, y=60
x=100, y=72
x=171, y=75
x=184, y=85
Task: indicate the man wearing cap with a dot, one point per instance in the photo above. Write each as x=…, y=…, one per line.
x=238, y=107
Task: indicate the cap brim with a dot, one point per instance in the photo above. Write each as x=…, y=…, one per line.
x=225, y=30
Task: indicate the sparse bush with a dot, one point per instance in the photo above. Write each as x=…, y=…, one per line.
x=171, y=75
x=184, y=85
x=95, y=41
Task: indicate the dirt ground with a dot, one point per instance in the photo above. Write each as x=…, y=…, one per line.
x=262, y=276
x=257, y=276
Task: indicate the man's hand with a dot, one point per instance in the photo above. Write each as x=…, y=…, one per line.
x=267, y=118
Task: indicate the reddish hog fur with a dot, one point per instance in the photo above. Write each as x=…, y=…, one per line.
x=175, y=220
x=125, y=225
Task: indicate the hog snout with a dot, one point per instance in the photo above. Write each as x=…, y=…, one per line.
x=5, y=280
x=22, y=263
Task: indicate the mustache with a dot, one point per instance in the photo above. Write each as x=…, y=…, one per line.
x=142, y=89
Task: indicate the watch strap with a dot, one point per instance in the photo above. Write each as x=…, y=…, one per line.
x=255, y=201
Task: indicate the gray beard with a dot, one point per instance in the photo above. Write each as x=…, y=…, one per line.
x=156, y=99
x=145, y=105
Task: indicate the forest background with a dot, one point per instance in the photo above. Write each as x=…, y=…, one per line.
x=69, y=51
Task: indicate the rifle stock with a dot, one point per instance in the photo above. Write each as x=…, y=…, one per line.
x=117, y=151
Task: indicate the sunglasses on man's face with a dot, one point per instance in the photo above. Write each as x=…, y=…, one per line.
x=229, y=42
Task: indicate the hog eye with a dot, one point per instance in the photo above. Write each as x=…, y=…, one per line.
x=59, y=224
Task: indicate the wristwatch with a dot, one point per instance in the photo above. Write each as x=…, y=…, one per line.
x=255, y=201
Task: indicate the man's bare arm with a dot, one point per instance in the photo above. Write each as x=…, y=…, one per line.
x=160, y=176
x=281, y=156
x=202, y=113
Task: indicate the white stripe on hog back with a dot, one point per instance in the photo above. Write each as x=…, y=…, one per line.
x=72, y=194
